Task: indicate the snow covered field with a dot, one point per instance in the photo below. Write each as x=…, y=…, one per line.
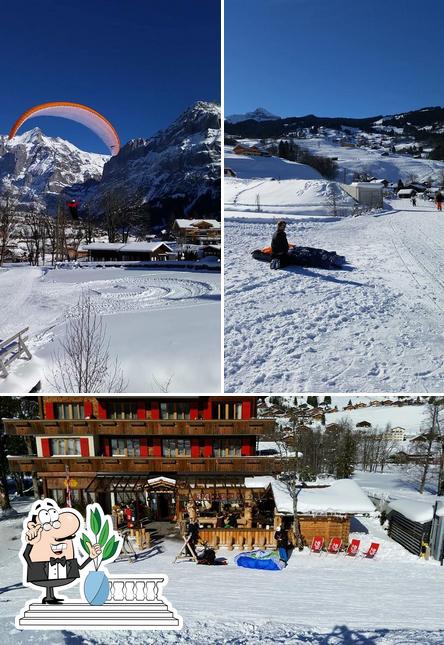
x=161, y=324
x=276, y=185
x=412, y=418
x=376, y=327
x=395, y=599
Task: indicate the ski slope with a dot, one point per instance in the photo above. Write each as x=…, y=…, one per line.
x=394, y=599
x=393, y=167
x=271, y=184
x=163, y=325
x=374, y=328
x=250, y=167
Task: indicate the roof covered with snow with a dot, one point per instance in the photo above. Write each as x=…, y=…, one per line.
x=188, y=223
x=342, y=496
x=130, y=246
x=421, y=512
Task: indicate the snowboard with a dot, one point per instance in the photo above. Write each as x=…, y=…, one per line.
x=305, y=256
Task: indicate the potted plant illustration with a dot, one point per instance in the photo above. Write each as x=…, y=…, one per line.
x=96, y=583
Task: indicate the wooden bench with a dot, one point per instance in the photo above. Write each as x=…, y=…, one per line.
x=12, y=349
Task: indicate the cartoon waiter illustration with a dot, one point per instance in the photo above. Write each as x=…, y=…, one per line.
x=49, y=551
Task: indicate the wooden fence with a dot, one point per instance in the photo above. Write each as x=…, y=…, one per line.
x=12, y=349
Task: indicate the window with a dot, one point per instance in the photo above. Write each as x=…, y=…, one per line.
x=227, y=447
x=69, y=411
x=174, y=410
x=176, y=448
x=121, y=410
x=227, y=410
x=65, y=446
x=125, y=447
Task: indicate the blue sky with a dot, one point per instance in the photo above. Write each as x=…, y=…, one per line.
x=138, y=62
x=333, y=57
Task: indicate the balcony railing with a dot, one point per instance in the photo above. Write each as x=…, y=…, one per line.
x=146, y=465
x=144, y=427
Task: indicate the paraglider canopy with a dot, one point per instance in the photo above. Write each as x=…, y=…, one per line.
x=75, y=112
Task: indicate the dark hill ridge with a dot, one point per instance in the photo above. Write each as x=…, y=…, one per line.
x=429, y=116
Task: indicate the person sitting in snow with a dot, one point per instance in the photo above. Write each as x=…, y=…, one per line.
x=279, y=247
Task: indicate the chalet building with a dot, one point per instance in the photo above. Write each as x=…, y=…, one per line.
x=156, y=454
x=364, y=424
x=193, y=231
x=396, y=434
x=255, y=151
x=129, y=252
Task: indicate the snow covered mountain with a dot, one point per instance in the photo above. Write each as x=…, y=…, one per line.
x=36, y=168
x=175, y=171
x=259, y=114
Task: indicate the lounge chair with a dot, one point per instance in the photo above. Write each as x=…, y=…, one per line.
x=334, y=545
x=317, y=544
x=353, y=547
x=372, y=551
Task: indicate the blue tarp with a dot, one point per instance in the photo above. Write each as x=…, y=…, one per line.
x=268, y=560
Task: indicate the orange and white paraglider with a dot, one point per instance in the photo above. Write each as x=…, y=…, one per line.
x=75, y=112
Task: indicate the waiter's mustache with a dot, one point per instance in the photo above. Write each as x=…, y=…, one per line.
x=68, y=537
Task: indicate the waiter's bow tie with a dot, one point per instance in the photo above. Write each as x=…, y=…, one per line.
x=62, y=561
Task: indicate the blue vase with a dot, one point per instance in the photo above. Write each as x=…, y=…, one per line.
x=96, y=588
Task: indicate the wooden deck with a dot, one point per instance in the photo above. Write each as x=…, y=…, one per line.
x=243, y=539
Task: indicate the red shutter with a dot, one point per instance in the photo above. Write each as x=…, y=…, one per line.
x=246, y=447
x=246, y=409
x=106, y=446
x=141, y=410
x=88, y=408
x=155, y=412
x=195, y=448
x=157, y=447
x=49, y=410
x=84, y=446
x=208, y=449
x=194, y=412
x=143, y=447
x=46, y=451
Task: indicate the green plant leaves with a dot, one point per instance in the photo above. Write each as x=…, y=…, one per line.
x=85, y=541
x=110, y=548
x=95, y=521
x=104, y=534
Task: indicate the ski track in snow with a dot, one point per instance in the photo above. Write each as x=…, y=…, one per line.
x=44, y=301
x=377, y=327
x=167, y=323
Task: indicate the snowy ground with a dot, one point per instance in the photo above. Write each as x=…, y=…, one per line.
x=161, y=324
x=318, y=599
x=376, y=327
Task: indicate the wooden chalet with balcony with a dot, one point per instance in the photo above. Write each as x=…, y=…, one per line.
x=156, y=455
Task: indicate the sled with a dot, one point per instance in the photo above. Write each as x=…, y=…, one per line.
x=304, y=256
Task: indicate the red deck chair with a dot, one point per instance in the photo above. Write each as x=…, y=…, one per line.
x=335, y=545
x=372, y=551
x=316, y=544
x=353, y=547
